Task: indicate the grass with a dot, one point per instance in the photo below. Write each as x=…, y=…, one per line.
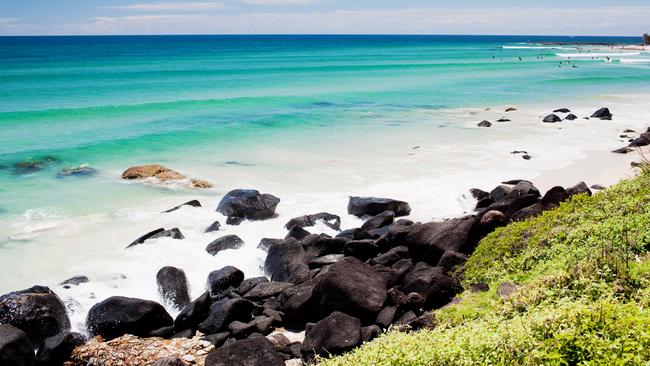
x=583, y=277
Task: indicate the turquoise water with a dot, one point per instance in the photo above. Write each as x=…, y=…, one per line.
x=112, y=102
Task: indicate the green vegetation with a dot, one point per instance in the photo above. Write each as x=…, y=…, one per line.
x=646, y=38
x=583, y=296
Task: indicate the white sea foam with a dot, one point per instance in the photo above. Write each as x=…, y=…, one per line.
x=635, y=60
x=597, y=54
x=538, y=48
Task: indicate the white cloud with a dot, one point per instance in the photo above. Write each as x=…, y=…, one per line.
x=278, y=2
x=171, y=6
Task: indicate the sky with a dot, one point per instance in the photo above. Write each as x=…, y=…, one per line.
x=99, y=17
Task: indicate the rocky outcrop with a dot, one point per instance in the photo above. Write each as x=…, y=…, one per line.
x=333, y=335
x=330, y=220
x=162, y=174
x=603, y=114
x=37, y=311
x=249, y=204
x=223, y=243
x=173, y=287
x=117, y=316
x=57, y=349
x=361, y=206
x=15, y=347
x=254, y=351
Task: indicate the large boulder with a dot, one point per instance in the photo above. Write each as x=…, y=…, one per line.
x=57, y=349
x=297, y=304
x=431, y=282
x=603, y=114
x=350, y=286
x=330, y=220
x=383, y=219
x=172, y=286
x=249, y=204
x=555, y=196
x=151, y=171
x=193, y=313
x=37, y=311
x=552, y=118
x=361, y=206
x=223, y=280
x=15, y=347
x=223, y=243
x=287, y=261
x=526, y=213
x=117, y=316
x=509, y=205
x=334, y=335
x=580, y=188
x=224, y=312
x=427, y=242
x=253, y=351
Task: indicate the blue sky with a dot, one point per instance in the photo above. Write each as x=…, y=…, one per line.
x=568, y=17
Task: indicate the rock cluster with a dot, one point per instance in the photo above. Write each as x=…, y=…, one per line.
x=162, y=174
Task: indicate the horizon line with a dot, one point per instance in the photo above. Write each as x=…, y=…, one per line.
x=314, y=34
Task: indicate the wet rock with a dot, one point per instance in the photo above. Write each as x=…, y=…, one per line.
x=361, y=206
x=424, y=321
x=223, y=243
x=330, y=220
x=37, y=311
x=529, y=212
x=526, y=157
x=580, y=188
x=350, y=286
x=57, y=349
x=34, y=165
x=172, y=287
x=511, y=109
x=75, y=281
x=249, y=204
x=320, y=245
x=213, y=227
x=119, y=315
x=334, y=335
x=603, y=114
x=571, y=117
x=250, y=283
x=193, y=313
x=503, y=120
x=286, y=261
x=484, y=123
x=174, y=233
x=266, y=243
x=361, y=249
x=392, y=256
x=479, y=194
x=297, y=233
x=224, y=279
x=383, y=219
x=224, y=312
x=499, y=192
x=562, y=110
x=266, y=289
x=234, y=220
x=325, y=260
x=437, y=288
x=79, y=171
x=552, y=118
x=427, y=242
x=253, y=351
x=15, y=347
x=192, y=203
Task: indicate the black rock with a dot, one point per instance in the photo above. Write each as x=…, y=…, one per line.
x=503, y=120
x=623, y=150
x=213, y=227
x=552, y=118
x=287, y=261
x=297, y=233
x=334, y=335
x=266, y=289
x=330, y=220
x=580, y=188
x=320, y=245
x=555, y=196
x=226, y=278
x=483, y=203
x=192, y=203
x=451, y=259
x=510, y=205
x=36, y=311
x=174, y=233
x=172, y=287
x=526, y=213
x=478, y=194
x=526, y=157
x=266, y=243
x=392, y=256
x=350, y=286
x=325, y=260
x=639, y=142
x=361, y=206
x=562, y=110
x=386, y=316
x=431, y=282
x=75, y=281
x=57, y=349
x=427, y=242
x=424, y=321
x=119, y=315
x=217, y=339
x=224, y=312
x=571, y=117
x=15, y=347
x=492, y=220
x=187, y=333
x=499, y=192
x=361, y=249
x=164, y=332
x=383, y=219
x=248, y=203
x=193, y=313
x=234, y=220
x=603, y=114
x=253, y=351
x=223, y=243
x=598, y=187
x=249, y=283
x=297, y=304
x=241, y=330
x=484, y=124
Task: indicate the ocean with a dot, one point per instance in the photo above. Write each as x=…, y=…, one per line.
x=312, y=119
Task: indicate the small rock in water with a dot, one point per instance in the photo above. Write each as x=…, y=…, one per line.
x=75, y=281
x=623, y=150
x=249, y=204
x=571, y=117
x=172, y=286
x=34, y=165
x=603, y=114
x=223, y=243
x=213, y=227
x=527, y=157
x=234, y=220
x=80, y=171
x=552, y=118
x=174, y=233
x=484, y=123
x=192, y=203
x=503, y=120
x=562, y=110
x=511, y=109
x=519, y=152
